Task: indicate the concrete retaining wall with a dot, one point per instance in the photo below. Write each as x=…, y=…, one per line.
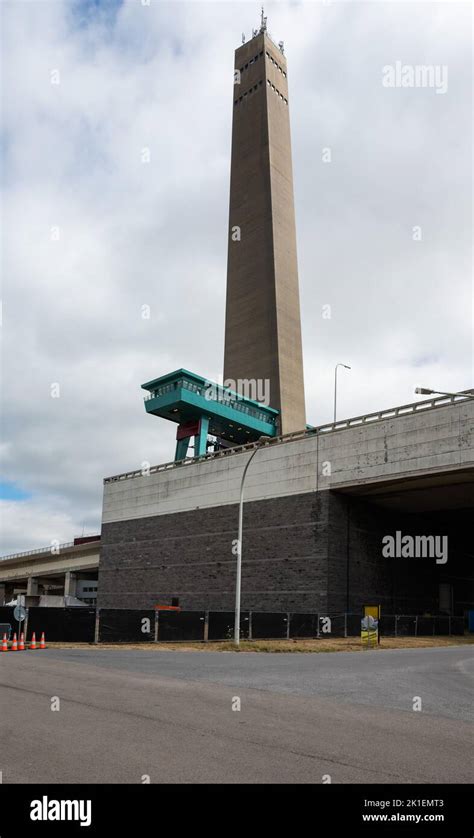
x=436, y=440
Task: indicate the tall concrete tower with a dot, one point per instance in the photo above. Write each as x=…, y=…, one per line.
x=263, y=327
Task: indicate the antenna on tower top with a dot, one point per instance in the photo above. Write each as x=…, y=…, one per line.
x=263, y=26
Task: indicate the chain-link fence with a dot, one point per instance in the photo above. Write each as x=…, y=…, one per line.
x=122, y=625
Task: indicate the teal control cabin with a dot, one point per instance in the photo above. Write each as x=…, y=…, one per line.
x=203, y=409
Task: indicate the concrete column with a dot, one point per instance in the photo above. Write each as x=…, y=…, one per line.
x=32, y=586
x=2, y=594
x=70, y=583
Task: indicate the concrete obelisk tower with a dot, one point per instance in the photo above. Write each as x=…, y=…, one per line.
x=263, y=328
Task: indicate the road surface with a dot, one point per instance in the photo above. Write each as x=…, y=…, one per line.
x=125, y=716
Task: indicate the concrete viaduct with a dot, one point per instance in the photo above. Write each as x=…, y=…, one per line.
x=60, y=570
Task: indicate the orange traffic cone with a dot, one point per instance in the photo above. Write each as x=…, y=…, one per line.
x=21, y=645
x=4, y=644
x=14, y=644
x=42, y=641
x=33, y=642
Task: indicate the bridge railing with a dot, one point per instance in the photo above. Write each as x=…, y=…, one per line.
x=38, y=550
x=331, y=427
x=53, y=549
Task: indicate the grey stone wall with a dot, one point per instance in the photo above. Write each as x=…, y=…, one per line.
x=189, y=555
x=316, y=552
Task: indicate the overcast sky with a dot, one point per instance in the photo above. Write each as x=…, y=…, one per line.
x=92, y=233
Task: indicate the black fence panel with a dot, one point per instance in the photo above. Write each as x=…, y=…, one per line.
x=406, y=626
x=353, y=625
x=303, y=625
x=49, y=620
x=338, y=625
x=268, y=625
x=424, y=627
x=221, y=625
x=181, y=625
x=387, y=626
x=6, y=630
x=457, y=625
x=441, y=625
x=7, y=619
x=138, y=625
x=122, y=625
x=73, y=625
x=79, y=624
x=6, y=613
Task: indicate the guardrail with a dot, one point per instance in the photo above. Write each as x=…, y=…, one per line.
x=57, y=548
x=344, y=424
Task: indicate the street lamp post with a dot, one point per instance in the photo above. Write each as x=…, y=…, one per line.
x=335, y=384
x=238, y=584
x=425, y=391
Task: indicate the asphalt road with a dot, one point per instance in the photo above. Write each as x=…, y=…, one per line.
x=168, y=715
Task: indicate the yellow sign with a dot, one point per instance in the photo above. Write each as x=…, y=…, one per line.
x=369, y=628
